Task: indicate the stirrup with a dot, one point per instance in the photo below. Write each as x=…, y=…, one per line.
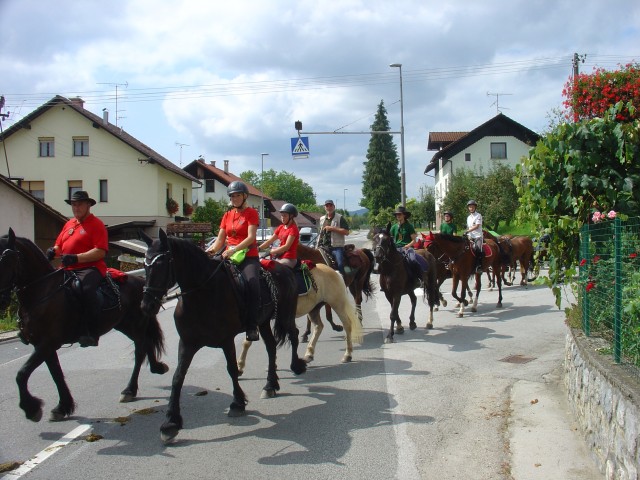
x=252, y=334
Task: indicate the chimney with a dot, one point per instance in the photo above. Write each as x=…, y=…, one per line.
x=105, y=116
x=226, y=166
x=77, y=101
x=212, y=163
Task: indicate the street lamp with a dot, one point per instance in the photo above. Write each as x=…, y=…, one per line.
x=344, y=200
x=261, y=191
x=403, y=188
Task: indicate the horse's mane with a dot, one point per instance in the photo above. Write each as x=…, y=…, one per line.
x=193, y=258
x=451, y=238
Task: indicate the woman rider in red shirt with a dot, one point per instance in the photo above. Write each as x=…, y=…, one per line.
x=289, y=236
x=238, y=229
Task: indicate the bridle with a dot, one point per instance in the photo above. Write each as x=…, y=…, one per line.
x=380, y=252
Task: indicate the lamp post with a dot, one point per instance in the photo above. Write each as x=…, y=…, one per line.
x=403, y=188
x=261, y=191
x=344, y=200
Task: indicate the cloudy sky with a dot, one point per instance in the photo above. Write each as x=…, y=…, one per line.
x=227, y=80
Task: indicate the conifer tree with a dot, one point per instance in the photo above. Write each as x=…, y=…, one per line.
x=381, y=177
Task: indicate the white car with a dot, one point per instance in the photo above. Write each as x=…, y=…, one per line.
x=264, y=234
x=308, y=236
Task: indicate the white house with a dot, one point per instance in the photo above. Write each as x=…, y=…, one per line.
x=499, y=140
x=61, y=147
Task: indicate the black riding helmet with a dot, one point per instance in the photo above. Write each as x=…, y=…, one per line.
x=237, y=187
x=290, y=209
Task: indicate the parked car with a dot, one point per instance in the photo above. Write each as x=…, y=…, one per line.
x=264, y=234
x=308, y=236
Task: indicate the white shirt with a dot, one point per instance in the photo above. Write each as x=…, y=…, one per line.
x=474, y=219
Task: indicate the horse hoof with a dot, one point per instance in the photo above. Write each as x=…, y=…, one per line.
x=474, y=309
x=240, y=372
x=304, y=339
x=159, y=368
x=388, y=340
x=443, y=302
x=400, y=330
x=413, y=325
x=460, y=315
x=127, y=397
x=308, y=358
x=268, y=394
x=346, y=359
x=53, y=416
x=499, y=305
x=168, y=437
x=236, y=410
x=437, y=309
x=429, y=326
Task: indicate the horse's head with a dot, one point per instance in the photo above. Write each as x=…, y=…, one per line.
x=382, y=243
x=9, y=262
x=159, y=276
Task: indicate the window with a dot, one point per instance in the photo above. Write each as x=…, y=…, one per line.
x=34, y=187
x=104, y=191
x=210, y=185
x=73, y=186
x=81, y=147
x=45, y=147
x=467, y=157
x=498, y=150
x=169, y=191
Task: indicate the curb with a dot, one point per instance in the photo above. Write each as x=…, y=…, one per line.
x=7, y=336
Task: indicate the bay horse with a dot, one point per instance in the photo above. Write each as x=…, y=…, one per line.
x=396, y=280
x=358, y=280
x=520, y=251
x=209, y=313
x=49, y=317
x=327, y=288
x=463, y=263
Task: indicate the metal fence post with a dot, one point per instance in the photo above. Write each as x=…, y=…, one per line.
x=617, y=304
x=584, y=247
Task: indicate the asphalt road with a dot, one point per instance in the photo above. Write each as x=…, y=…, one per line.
x=434, y=404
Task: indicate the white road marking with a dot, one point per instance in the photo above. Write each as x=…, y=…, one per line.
x=29, y=465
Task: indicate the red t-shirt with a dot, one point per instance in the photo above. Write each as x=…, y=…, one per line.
x=282, y=232
x=236, y=225
x=76, y=238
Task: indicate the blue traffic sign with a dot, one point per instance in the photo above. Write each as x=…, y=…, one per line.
x=300, y=147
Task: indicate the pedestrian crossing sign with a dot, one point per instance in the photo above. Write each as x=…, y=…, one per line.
x=300, y=147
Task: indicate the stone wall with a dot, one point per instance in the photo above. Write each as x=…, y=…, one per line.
x=605, y=399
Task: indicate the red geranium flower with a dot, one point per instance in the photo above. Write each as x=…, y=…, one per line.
x=590, y=286
x=583, y=262
x=633, y=255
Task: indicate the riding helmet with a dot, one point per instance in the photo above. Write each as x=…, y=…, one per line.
x=290, y=209
x=448, y=213
x=237, y=187
x=472, y=202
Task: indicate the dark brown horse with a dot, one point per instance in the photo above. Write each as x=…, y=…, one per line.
x=463, y=266
x=358, y=280
x=210, y=313
x=49, y=318
x=397, y=280
x=519, y=250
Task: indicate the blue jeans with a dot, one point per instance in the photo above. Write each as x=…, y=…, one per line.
x=338, y=254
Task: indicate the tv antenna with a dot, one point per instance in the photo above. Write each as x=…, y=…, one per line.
x=113, y=84
x=497, y=102
x=181, y=145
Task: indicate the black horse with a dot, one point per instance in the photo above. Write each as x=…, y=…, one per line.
x=396, y=280
x=49, y=318
x=209, y=314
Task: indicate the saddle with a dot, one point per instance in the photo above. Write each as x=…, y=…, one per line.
x=108, y=291
x=352, y=259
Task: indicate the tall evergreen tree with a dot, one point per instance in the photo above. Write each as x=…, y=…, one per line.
x=381, y=177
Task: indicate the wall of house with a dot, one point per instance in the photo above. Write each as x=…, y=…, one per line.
x=136, y=189
x=16, y=212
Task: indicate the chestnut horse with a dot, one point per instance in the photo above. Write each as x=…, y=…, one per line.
x=396, y=280
x=519, y=249
x=463, y=266
x=358, y=280
x=209, y=313
x=50, y=318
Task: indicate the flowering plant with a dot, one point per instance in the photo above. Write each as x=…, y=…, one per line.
x=598, y=217
x=172, y=206
x=187, y=209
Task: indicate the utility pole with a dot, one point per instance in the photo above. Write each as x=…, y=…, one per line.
x=576, y=73
x=3, y=117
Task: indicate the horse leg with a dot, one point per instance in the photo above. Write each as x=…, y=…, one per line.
x=32, y=406
x=305, y=336
x=131, y=390
x=337, y=328
x=474, y=307
x=237, y=407
x=272, y=386
x=499, y=305
x=314, y=316
x=173, y=423
x=393, y=316
x=242, y=359
x=66, y=406
x=412, y=316
x=462, y=302
x=524, y=266
x=356, y=293
x=443, y=302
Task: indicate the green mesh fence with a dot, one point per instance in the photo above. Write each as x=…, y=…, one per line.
x=609, y=290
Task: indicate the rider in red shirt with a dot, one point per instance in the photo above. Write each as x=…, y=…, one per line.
x=83, y=244
x=289, y=236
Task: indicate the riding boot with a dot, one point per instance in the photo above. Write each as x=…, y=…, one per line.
x=91, y=312
x=252, y=317
x=479, y=258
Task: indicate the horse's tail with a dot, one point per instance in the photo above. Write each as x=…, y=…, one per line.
x=356, y=326
x=430, y=287
x=368, y=288
x=532, y=269
x=155, y=336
